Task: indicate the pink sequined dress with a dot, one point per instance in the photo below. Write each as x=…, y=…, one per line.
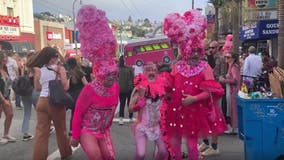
x=95, y=108
x=201, y=118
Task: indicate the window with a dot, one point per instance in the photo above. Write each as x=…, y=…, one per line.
x=129, y=53
x=164, y=45
x=10, y=11
x=156, y=46
x=139, y=49
x=148, y=48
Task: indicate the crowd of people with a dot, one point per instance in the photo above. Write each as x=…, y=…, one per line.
x=192, y=98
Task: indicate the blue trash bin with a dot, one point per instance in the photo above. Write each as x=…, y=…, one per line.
x=261, y=127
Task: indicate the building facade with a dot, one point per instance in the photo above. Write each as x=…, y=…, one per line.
x=49, y=34
x=17, y=25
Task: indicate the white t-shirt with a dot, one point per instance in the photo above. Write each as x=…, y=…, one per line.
x=45, y=77
x=137, y=69
x=252, y=66
x=12, y=68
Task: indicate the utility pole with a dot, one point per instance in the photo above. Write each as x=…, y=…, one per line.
x=74, y=26
x=192, y=5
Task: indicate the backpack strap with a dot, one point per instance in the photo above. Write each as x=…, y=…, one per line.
x=56, y=71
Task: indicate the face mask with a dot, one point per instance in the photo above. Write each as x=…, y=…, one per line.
x=57, y=61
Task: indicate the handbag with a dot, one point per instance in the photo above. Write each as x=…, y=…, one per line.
x=57, y=95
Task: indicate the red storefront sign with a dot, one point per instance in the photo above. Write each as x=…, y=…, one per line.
x=9, y=21
x=9, y=27
x=51, y=35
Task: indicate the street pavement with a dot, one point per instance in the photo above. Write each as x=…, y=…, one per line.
x=230, y=146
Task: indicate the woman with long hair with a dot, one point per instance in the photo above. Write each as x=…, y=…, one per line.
x=77, y=81
x=46, y=68
x=29, y=101
x=6, y=106
x=232, y=81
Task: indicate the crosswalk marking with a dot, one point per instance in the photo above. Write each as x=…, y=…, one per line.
x=56, y=153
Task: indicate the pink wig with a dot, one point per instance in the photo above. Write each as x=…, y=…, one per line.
x=186, y=31
x=228, y=46
x=98, y=43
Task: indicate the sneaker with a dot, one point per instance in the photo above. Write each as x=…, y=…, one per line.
x=10, y=138
x=27, y=137
x=184, y=155
x=51, y=129
x=132, y=120
x=202, y=147
x=19, y=107
x=210, y=152
x=120, y=122
x=230, y=130
x=4, y=141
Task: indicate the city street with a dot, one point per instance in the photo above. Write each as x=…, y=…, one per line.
x=231, y=147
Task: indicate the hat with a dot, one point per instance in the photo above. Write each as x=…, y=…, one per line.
x=98, y=43
x=251, y=49
x=228, y=46
x=187, y=31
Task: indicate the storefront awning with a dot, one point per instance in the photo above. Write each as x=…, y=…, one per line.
x=17, y=46
x=263, y=29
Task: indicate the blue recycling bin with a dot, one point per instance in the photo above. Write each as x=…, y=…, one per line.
x=261, y=127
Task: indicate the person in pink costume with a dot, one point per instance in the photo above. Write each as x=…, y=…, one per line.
x=96, y=104
x=192, y=111
x=147, y=100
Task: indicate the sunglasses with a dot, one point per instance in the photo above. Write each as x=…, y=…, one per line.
x=227, y=57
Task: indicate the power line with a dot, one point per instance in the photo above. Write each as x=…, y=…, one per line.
x=56, y=10
x=124, y=4
x=137, y=10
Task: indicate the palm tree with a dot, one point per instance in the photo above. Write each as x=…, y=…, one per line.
x=217, y=5
x=281, y=34
x=236, y=24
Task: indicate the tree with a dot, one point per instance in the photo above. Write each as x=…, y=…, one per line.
x=236, y=24
x=147, y=22
x=217, y=5
x=129, y=19
x=281, y=34
x=226, y=19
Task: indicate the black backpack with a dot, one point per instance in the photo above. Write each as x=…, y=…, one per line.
x=22, y=86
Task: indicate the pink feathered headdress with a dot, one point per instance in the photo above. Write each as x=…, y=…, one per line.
x=186, y=31
x=228, y=46
x=98, y=43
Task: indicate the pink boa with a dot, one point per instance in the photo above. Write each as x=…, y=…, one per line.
x=154, y=89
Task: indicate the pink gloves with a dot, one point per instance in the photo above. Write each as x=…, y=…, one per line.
x=141, y=102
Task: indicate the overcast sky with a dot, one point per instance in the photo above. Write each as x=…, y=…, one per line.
x=122, y=9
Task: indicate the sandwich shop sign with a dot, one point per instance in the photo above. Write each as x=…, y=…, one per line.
x=264, y=29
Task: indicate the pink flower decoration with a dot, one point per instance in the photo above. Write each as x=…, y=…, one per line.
x=186, y=31
x=228, y=46
x=98, y=43
x=95, y=35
